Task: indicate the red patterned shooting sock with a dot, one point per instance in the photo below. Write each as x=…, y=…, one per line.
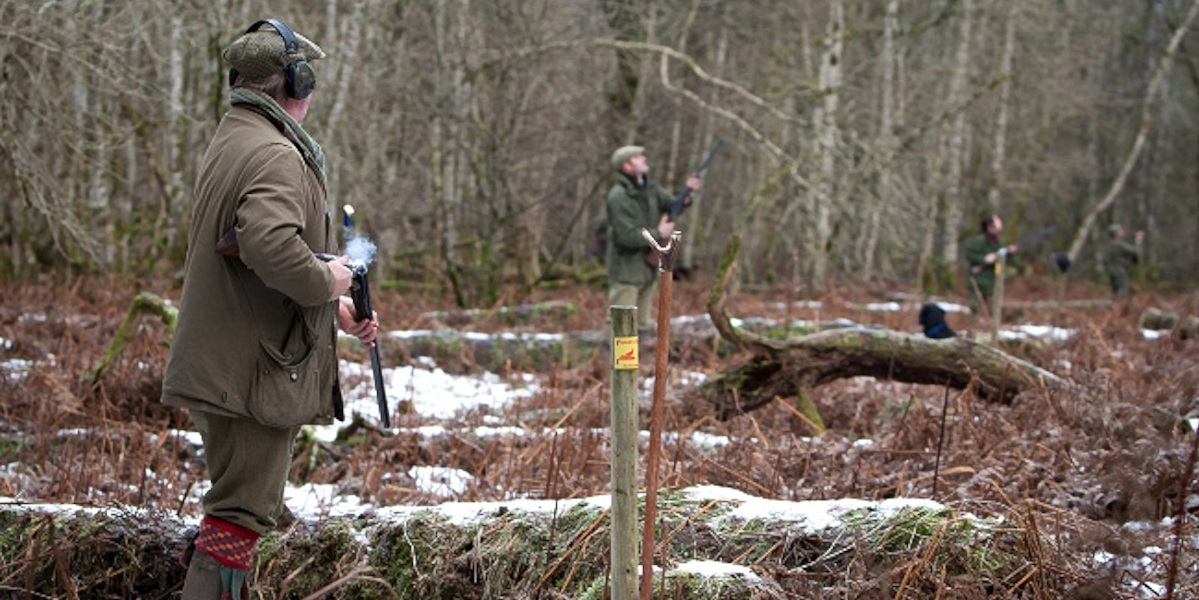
x=231, y=545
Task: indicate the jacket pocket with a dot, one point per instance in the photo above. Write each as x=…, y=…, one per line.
x=286, y=390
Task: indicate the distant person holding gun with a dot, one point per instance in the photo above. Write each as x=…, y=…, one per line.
x=983, y=252
x=253, y=357
x=636, y=203
x=1119, y=258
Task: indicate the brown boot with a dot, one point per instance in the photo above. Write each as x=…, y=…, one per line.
x=203, y=578
x=209, y=580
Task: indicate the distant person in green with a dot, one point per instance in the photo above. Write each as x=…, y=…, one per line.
x=983, y=252
x=635, y=203
x=1119, y=258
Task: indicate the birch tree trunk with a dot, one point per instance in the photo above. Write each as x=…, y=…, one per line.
x=886, y=140
x=954, y=199
x=444, y=156
x=175, y=135
x=347, y=63
x=701, y=210
x=1156, y=178
x=694, y=213
x=932, y=207
x=645, y=67
x=827, y=135
x=999, y=152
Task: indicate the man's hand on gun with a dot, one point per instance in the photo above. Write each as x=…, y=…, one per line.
x=365, y=330
x=1006, y=250
x=342, y=276
x=347, y=319
x=665, y=227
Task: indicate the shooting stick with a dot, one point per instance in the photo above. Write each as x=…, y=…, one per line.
x=666, y=256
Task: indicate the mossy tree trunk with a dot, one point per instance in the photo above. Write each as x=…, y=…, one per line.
x=143, y=303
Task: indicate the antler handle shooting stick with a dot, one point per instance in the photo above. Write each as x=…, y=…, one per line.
x=666, y=258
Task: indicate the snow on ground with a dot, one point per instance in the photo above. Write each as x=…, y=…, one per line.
x=1019, y=332
x=711, y=568
x=17, y=368
x=432, y=392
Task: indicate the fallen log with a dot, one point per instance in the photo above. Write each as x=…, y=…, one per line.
x=801, y=363
x=786, y=367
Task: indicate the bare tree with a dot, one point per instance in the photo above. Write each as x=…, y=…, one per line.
x=827, y=135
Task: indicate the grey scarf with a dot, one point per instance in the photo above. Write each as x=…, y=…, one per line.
x=313, y=154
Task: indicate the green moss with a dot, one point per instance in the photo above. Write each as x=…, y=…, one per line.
x=11, y=449
x=307, y=558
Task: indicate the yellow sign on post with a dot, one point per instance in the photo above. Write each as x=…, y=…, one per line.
x=624, y=353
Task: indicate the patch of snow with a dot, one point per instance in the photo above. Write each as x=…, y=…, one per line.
x=808, y=304
x=951, y=307
x=882, y=307
x=469, y=513
x=404, y=334
x=67, y=508
x=442, y=481
x=1148, y=589
x=716, y=492
x=687, y=319
x=1036, y=331
x=432, y=393
x=707, y=441
x=819, y=515
x=5, y=343
x=17, y=368
x=511, y=430
x=316, y=501
x=712, y=568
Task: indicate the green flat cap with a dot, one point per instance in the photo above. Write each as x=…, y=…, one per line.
x=1114, y=228
x=258, y=54
x=624, y=153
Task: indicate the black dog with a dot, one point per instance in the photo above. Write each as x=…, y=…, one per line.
x=932, y=319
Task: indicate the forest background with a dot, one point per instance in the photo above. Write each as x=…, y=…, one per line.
x=864, y=139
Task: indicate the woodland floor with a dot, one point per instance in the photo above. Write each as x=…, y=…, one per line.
x=1109, y=462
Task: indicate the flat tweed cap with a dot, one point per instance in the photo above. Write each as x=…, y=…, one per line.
x=259, y=54
x=624, y=153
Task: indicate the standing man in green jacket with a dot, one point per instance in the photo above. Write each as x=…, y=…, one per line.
x=1119, y=258
x=636, y=203
x=253, y=357
x=983, y=252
